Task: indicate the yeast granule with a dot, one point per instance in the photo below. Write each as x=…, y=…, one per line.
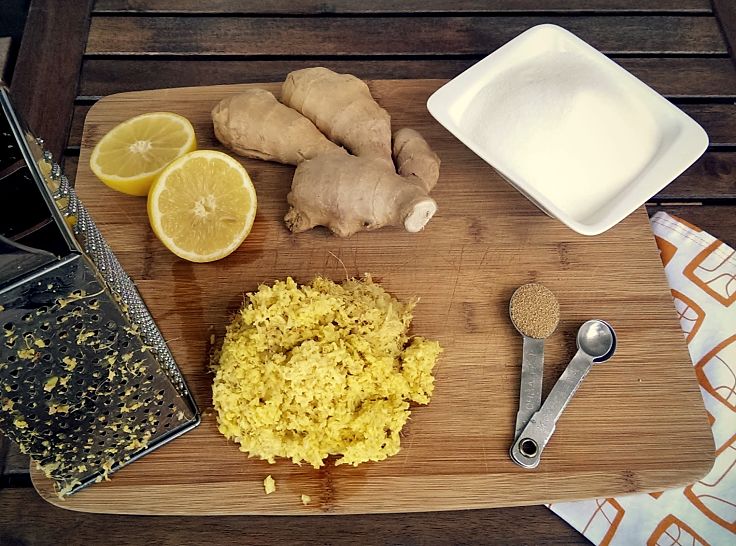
x=323, y=369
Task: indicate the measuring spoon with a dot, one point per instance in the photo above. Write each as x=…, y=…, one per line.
x=596, y=341
x=536, y=301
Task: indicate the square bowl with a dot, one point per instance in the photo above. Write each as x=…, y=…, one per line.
x=607, y=144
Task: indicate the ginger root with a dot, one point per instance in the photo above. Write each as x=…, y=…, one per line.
x=348, y=194
x=255, y=124
x=415, y=159
x=342, y=107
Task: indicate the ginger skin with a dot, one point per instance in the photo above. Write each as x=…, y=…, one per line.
x=415, y=160
x=342, y=107
x=348, y=194
x=255, y=124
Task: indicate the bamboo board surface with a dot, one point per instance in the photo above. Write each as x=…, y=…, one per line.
x=637, y=423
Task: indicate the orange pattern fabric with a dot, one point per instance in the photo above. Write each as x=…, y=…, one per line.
x=701, y=271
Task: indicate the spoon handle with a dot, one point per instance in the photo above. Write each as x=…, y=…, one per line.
x=532, y=372
x=527, y=449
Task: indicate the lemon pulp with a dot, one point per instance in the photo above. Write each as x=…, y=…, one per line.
x=132, y=154
x=202, y=206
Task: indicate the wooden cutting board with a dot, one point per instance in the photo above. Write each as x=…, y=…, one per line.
x=637, y=423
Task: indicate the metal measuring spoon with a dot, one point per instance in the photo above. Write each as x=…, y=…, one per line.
x=532, y=301
x=596, y=341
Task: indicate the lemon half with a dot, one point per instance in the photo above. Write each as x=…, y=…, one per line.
x=132, y=154
x=202, y=206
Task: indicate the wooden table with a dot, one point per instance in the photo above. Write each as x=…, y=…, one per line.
x=72, y=53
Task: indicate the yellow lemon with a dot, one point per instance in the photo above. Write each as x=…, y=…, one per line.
x=133, y=154
x=202, y=206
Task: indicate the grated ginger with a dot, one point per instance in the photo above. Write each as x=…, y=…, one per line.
x=269, y=485
x=322, y=369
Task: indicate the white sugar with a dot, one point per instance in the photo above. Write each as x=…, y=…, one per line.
x=565, y=127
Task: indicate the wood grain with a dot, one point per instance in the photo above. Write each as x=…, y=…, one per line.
x=422, y=35
x=5, y=43
x=316, y=7
x=707, y=78
x=46, y=104
x=485, y=241
x=26, y=519
x=718, y=120
x=726, y=13
x=712, y=177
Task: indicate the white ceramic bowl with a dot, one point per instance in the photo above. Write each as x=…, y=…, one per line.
x=674, y=140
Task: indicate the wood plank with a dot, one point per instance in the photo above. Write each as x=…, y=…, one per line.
x=16, y=469
x=5, y=42
x=705, y=77
x=47, y=70
x=718, y=220
x=319, y=7
x=712, y=177
x=719, y=121
x=425, y=35
x=69, y=166
x=27, y=519
x=726, y=14
x=464, y=274
x=4, y=444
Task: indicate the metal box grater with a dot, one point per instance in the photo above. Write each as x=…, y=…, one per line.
x=87, y=382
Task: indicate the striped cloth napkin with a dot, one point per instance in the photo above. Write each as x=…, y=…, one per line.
x=701, y=271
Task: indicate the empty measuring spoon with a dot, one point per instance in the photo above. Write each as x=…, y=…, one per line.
x=535, y=314
x=596, y=341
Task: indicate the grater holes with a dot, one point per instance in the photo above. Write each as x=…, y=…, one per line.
x=28, y=317
x=12, y=358
x=9, y=326
x=111, y=325
x=45, y=326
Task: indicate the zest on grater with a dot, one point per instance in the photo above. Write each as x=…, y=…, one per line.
x=87, y=382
